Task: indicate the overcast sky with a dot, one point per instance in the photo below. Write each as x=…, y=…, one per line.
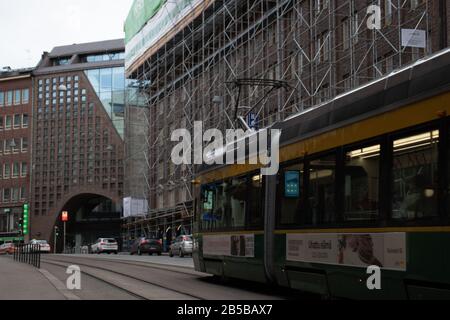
x=30, y=27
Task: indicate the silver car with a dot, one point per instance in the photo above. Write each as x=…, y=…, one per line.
x=181, y=246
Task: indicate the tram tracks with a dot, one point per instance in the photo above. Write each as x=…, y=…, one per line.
x=135, y=286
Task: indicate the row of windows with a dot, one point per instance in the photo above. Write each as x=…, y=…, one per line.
x=400, y=178
x=62, y=80
x=345, y=185
x=17, y=121
x=62, y=94
x=106, y=57
x=14, y=145
x=9, y=195
x=15, y=97
x=13, y=170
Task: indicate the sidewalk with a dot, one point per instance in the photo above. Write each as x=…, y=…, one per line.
x=19, y=281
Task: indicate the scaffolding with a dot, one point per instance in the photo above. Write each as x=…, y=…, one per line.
x=319, y=48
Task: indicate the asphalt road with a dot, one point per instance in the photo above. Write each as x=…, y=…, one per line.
x=124, y=277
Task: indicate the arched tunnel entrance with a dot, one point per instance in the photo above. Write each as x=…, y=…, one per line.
x=91, y=216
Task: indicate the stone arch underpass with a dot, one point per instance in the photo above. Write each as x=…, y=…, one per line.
x=92, y=214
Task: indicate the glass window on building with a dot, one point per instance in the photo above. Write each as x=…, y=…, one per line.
x=415, y=176
x=322, y=177
x=15, y=145
x=105, y=80
x=2, y=98
x=8, y=122
x=25, y=121
x=24, y=169
x=1, y=123
x=23, y=193
x=6, y=195
x=15, y=194
x=9, y=98
x=17, y=121
x=361, y=186
x=6, y=171
x=25, y=96
x=17, y=97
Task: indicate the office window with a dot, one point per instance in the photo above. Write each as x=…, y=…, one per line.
x=16, y=170
x=15, y=194
x=23, y=193
x=25, y=96
x=362, y=168
x=24, y=144
x=6, y=195
x=15, y=145
x=6, y=171
x=24, y=169
x=17, y=121
x=8, y=122
x=415, y=176
x=25, y=121
x=322, y=177
x=1, y=122
x=2, y=98
x=9, y=98
x=17, y=96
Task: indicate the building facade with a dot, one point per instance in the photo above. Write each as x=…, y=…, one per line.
x=15, y=152
x=211, y=61
x=78, y=126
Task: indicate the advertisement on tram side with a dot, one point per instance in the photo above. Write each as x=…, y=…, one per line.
x=386, y=250
x=241, y=245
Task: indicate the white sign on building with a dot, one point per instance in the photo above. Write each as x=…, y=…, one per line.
x=414, y=38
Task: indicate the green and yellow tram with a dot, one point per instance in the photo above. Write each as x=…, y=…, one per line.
x=364, y=180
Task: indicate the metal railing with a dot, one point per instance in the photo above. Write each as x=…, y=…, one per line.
x=28, y=253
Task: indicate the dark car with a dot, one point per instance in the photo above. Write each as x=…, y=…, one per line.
x=146, y=245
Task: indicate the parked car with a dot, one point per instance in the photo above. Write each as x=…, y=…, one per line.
x=105, y=245
x=181, y=246
x=7, y=248
x=44, y=247
x=146, y=245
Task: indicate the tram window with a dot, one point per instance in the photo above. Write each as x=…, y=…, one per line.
x=322, y=176
x=236, y=201
x=255, y=210
x=212, y=215
x=290, y=203
x=362, y=170
x=415, y=177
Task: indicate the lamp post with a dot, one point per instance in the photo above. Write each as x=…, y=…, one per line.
x=64, y=218
x=55, y=239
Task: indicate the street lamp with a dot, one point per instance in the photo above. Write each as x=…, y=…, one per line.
x=55, y=237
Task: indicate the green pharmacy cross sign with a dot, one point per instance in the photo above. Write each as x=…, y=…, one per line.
x=26, y=218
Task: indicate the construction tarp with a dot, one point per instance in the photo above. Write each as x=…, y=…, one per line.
x=141, y=12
